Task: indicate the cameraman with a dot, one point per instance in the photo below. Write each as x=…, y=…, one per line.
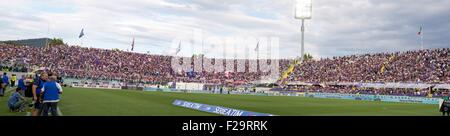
x=445, y=108
x=60, y=81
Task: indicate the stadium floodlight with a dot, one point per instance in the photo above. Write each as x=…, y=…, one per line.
x=303, y=10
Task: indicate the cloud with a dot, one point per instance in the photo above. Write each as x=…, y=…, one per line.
x=338, y=27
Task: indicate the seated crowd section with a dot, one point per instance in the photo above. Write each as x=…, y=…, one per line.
x=418, y=66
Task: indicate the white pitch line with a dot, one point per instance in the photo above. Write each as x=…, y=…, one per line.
x=59, y=112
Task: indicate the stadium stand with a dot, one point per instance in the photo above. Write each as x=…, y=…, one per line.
x=429, y=66
x=423, y=66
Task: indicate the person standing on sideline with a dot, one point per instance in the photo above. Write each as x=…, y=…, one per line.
x=50, y=92
x=21, y=83
x=13, y=80
x=1, y=88
x=5, y=79
x=28, y=92
x=36, y=89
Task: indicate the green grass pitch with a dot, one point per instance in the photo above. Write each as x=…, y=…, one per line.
x=100, y=102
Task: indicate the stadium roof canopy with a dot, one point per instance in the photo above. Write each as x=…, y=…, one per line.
x=38, y=42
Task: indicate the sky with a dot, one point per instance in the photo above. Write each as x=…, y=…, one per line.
x=337, y=27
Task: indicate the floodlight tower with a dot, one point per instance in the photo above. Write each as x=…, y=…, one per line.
x=303, y=11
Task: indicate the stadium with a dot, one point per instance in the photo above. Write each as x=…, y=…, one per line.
x=153, y=94
x=108, y=81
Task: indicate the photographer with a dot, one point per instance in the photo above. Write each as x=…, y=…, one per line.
x=60, y=81
x=445, y=108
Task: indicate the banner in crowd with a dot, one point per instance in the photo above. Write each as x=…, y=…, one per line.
x=160, y=89
x=384, y=98
x=132, y=88
x=217, y=109
x=249, y=93
x=100, y=86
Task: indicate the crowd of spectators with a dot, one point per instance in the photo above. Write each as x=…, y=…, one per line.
x=373, y=91
x=425, y=66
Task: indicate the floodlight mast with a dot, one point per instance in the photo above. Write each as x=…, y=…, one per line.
x=303, y=10
x=302, y=51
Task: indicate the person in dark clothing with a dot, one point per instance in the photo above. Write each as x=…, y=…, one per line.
x=38, y=83
x=445, y=109
x=28, y=93
x=2, y=91
x=28, y=89
x=13, y=80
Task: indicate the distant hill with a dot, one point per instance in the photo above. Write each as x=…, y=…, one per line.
x=39, y=42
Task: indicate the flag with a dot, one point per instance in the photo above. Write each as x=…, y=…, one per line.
x=179, y=48
x=289, y=70
x=420, y=31
x=382, y=69
x=81, y=33
x=257, y=46
x=132, y=45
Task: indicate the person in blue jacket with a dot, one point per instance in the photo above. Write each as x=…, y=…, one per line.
x=21, y=83
x=5, y=79
x=16, y=102
x=1, y=88
x=50, y=93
